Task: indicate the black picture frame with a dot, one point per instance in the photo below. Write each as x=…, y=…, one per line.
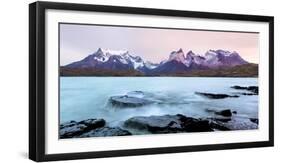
x=37, y=88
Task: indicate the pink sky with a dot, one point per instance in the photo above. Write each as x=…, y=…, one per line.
x=78, y=41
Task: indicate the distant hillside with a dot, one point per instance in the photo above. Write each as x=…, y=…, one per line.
x=64, y=71
x=247, y=70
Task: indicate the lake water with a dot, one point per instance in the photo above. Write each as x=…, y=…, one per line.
x=87, y=97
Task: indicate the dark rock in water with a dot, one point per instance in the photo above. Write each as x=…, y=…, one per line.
x=221, y=119
x=92, y=124
x=253, y=89
x=217, y=125
x=105, y=131
x=154, y=123
x=210, y=110
x=139, y=94
x=168, y=124
x=248, y=94
x=180, y=123
x=127, y=101
x=190, y=124
x=215, y=96
x=226, y=113
x=238, y=123
x=234, y=123
x=225, y=120
x=73, y=128
x=254, y=120
x=239, y=87
x=68, y=124
x=89, y=128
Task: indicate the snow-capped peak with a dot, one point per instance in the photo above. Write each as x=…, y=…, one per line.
x=220, y=52
x=211, y=52
x=216, y=53
x=215, y=58
x=113, y=52
x=177, y=55
x=123, y=56
x=136, y=61
x=151, y=65
x=181, y=57
x=103, y=55
x=190, y=52
x=123, y=60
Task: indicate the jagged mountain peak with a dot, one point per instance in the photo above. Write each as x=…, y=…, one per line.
x=219, y=58
x=123, y=60
x=221, y=52
x=112, y=52
x=177, y=55
x=190, y=52
x=180, y=50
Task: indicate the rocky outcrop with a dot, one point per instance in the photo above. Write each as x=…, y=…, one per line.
x=128, y=101
x=221, y=115
x=88, y=128
x=253, y=89
x=215, y=96
x=224, y=121
x=105, y=131
x=168, y=124
x=73, y=128
x=229, y=120
x=254, y=120
x=226, y=113
x=238, y=123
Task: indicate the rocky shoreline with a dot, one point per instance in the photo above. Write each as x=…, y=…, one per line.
x=89, y=128
x=218, y=120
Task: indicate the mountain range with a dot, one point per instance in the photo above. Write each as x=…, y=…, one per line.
x=123, y=63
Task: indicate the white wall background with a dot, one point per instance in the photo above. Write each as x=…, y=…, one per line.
x=14, y=79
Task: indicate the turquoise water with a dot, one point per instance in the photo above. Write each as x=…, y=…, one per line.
x=87, y=97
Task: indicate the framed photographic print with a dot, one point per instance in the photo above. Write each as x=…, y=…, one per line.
x=118, y=81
